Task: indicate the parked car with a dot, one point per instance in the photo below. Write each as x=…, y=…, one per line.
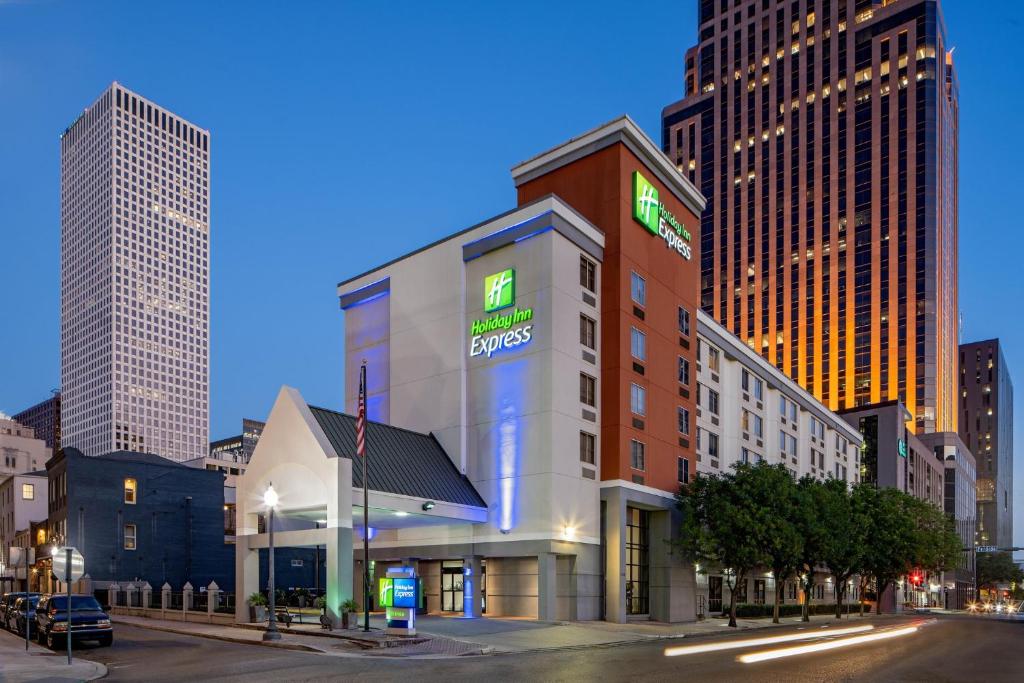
x=21, y=612
x=7, y=601
x=88, y=621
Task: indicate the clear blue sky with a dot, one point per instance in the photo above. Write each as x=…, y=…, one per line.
x=346, y=133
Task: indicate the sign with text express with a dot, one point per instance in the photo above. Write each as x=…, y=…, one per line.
x=650, y=212
x=505, y=330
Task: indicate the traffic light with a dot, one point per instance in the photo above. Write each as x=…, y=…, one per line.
x=916, y=579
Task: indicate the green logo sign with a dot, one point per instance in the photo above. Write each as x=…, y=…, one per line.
x=646, y=207
x=901, y=448
x=499, y=290
x=651, y=213
x=385, y=591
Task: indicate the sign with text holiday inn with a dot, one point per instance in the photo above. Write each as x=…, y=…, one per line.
x=503, y=330
x=651, y=213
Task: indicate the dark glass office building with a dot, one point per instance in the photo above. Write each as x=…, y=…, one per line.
x=986, y=427
x=44, y=419
x=823, y=134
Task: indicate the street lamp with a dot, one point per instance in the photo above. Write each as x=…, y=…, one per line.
x=270, y=500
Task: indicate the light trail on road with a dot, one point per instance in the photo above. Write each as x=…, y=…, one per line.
x=769, y=640
x=826, y=645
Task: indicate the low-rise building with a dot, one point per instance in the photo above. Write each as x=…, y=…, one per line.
x=20, y=450
x=22, y=501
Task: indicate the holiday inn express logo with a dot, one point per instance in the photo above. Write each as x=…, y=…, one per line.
x=650, y=212
x=499, y=290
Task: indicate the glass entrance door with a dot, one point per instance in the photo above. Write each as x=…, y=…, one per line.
x=451, y=586
x=714, y=593
x=637, y=561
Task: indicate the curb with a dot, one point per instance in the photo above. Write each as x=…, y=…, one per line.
x=362, y=642
x=227, y=639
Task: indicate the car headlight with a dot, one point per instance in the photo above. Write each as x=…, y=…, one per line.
x=59, y=626
x=103, y=622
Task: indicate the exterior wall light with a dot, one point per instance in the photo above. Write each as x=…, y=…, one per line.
x=429, y=505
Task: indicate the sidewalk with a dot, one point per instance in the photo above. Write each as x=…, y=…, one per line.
x=452, y=636
x=40, y=664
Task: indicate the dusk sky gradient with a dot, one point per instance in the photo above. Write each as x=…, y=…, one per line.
x=345, y=134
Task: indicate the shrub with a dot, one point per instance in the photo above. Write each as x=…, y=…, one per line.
x=349, y=606
x=258, y=599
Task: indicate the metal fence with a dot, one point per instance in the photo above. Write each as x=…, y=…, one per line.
x=199, y=601
x=225, y=603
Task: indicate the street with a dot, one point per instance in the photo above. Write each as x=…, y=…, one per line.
x=945, y=648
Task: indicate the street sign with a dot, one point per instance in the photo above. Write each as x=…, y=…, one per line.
x=60, y=565
x=986, y=549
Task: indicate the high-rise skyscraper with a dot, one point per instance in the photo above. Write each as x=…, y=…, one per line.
x=986, y=426
x=823, y=134
x=135, y=219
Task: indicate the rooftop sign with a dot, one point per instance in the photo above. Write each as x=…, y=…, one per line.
x=651, y=213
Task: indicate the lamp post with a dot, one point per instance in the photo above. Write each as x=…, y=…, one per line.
x=270, y=500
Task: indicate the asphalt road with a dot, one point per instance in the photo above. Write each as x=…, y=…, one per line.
x=943, y=649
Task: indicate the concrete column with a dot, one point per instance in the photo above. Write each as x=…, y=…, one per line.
x=165, y=596
x=247, y=577
x=147, y=594
x=471, y=585
x=129, y=594
x=673, y=580
x=547, y=587
x=111, y=595
x=339, y=571
x=186, y=596
x=212, y=593
x=614, y=500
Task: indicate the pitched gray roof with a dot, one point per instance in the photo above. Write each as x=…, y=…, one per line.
x=400, y=461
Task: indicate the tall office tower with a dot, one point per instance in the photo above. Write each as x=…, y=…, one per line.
x=823, y=134
x=986, y=426
x=44, y=419
x=135, y=298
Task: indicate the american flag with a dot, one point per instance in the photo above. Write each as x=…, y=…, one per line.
x=361, y=417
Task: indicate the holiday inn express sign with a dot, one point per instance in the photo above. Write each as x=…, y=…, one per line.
x=651, y=213
x=504, y=330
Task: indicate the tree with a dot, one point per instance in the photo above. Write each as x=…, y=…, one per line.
x=995, y=568
x=811, y=528
x=719, y=518
x=890, y=535
x=842, y=548
x=938, y=546
x=775, y=498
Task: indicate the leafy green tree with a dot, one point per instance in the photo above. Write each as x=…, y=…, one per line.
x=938, y=546
x=720, y=514
x=890, y=535
x=777, y=503
x=810, y=526
x=995, y=568
x=842, y=546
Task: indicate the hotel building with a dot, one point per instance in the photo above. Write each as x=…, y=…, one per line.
x=533, y=386
x=135, y=303
x=823, y=134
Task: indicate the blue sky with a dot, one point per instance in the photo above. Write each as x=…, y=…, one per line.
x=347, y=133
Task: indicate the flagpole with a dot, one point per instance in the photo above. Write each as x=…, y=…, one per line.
x=366, y=501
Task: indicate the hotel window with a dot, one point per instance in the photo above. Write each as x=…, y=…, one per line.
x=758, y=389
x=637, y=459
x=638, y=344
x=684, y=421
x=817, y=428
x=745, y=380
x=758, y=426
x=638, y=399
x=684, y=371
x=588, y=329
x=129, y=537
x=588, y=448
x=588, y=390
x=588, y=274
x=130, y=487
x=712, y=402
x=28, y=491
x=712, y=444
x=684, y=322
x=638, y=289
x=787, y=408
x=683, y=470
x=713, y=358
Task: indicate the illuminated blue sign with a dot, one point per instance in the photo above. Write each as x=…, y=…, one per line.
x=403, y=593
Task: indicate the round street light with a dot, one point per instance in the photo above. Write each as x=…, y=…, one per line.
x=270, y=500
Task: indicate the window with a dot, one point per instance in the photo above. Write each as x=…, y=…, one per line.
x=638, y=344
x=684, y=371
x=787, y=408
x=817, y=428
x=684, y=322
x=588, y=448
x=713, y=358
x=28, y=491
x=758, y=426
x=712, y=402
x=745, y=420
x=588, y=332
x=636, y=455
x=588, y=390
x=745, y=380
x=130, y=486
x=713, y=444
x=638, y=289
x=638, y=399
x=588, y=274
x=758, y=389
x=684, y=421
x=787, y=443
x=129, y=537
x=683, y=470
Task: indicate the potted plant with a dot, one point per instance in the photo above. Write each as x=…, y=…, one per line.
x=258, y=607
x=348, y=613
x=301, y=596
